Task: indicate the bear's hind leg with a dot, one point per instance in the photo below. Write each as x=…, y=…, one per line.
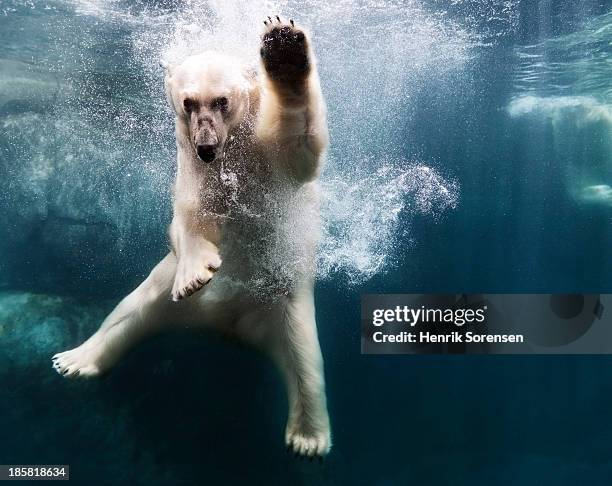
x=299, y=356
x=139, y=315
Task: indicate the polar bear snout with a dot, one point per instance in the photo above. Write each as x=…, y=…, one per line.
x=207, y=143
x=208, y=134
x=207, y=152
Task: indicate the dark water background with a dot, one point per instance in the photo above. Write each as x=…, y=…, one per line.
x=508, y=103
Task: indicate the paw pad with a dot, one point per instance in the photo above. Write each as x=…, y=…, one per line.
x=284, y=50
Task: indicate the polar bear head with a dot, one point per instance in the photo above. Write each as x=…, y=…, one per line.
x=209, y=93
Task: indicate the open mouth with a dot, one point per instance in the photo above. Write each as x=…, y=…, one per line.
x=206, y=153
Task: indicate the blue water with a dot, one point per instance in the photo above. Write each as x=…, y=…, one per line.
x=471, y=151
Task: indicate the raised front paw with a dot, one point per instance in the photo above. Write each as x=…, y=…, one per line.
x=193, y=272
x=284, y=51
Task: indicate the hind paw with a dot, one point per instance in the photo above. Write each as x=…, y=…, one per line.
x=308, y=441
x=78, y=362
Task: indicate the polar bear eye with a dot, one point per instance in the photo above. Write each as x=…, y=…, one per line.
x=219, y=103
x=190, y=105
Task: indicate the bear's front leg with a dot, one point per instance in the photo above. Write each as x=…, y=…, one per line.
x=194, y=241
x=292, y=125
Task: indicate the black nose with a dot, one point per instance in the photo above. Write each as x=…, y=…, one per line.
x=206, y=152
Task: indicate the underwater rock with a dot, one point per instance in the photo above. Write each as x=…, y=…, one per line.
x=23, y=87
x=35, y=326
x=600, y=194
x=582, y=109
x=74, y=208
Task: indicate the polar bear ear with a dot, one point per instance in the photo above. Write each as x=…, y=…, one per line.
x=252, y=77
x=169, y=68
x=250, y=72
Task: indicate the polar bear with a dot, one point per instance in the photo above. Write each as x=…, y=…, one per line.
x=245, y=223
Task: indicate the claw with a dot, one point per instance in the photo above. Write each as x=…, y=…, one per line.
x=291, y=22
x=278, y=18
x=265, y=23
x=269, y=18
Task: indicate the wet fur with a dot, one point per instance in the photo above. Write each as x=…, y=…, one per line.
x=273, y=139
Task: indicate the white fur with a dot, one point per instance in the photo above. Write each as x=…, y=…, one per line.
x=253, y=213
